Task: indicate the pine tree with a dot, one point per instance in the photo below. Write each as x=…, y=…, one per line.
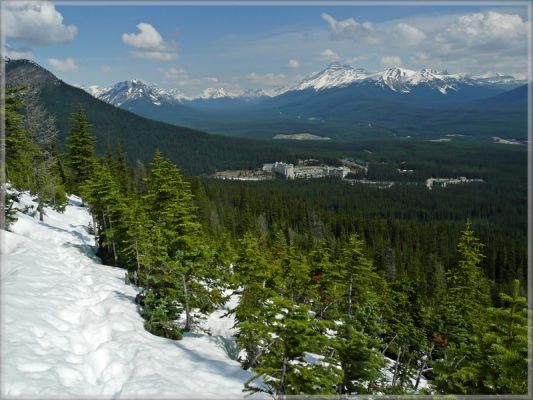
x=463, y=319
x=80, y=155
x=254, y=274
x=107, y=207
x=503, y=346
x=361, y=289
x=294, y=355
x=19, y=147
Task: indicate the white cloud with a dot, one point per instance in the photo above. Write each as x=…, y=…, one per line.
x=269, y=79
x=65, y=65
x=390, y=61
x=489, y=31
x=149, y=44
x=35, y=23
x=106, y=69
x=17, y=52
x=409, y=35
x=350, y=29
x=179, y=76
x=293, y=64
x=174, y=75
x=155, y=55
x=329, y=55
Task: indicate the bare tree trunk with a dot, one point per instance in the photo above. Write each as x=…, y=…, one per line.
x=113, y=244
x=187, y=311
x=105, y=225
x=388, y=345
x=283, y=371
x=423, y=366
x=350, y=289
x=138, y=279
x=396, y=367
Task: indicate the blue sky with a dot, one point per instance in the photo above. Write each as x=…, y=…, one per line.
x=236, y=47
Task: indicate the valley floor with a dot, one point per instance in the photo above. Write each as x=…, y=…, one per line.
x=71, y=327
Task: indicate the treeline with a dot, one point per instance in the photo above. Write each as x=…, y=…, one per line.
x=319, y=311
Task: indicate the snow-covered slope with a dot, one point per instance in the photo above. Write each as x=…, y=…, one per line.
x=134, y=90
x=71, y=328
x=94, y=90
x=397, y=79
x=336, y=75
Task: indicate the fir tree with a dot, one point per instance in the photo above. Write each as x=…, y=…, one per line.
x=19, y=147
x=463, y=319
x=80, y=150
x=294, y=356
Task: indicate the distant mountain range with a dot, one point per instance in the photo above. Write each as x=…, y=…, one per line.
x=335, y=76
x=194, y=151
x=342, y=103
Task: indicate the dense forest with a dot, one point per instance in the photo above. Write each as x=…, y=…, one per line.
x=334, y=281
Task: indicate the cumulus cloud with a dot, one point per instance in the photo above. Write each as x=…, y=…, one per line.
x=484, y=31
x=267, y=79
x=174, y=75
x=350, y=29
x=329, y=55
x=180, y=77
x=409, y=34
x=17, y=52
x=293, y=64
x=65, y=65
x=390, y=61
x=463, y=43
x=35, y=23
x=149, y=44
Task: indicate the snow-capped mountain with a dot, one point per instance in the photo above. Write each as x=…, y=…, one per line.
x=94, y=90
x=218, y=93
x=400, y=80
x=336, y=75
x=498, y=78
x=405, y=85
x=135, y=90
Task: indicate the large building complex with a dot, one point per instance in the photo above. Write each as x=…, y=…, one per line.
x=289, y=171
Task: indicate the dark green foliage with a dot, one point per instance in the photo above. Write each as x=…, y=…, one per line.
x=9, y=208
x=289, y=334
x=19, y=147
x=80, y=150
x=360, y=362
x=504, y=346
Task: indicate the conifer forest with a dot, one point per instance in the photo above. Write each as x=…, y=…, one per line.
x=335, y=282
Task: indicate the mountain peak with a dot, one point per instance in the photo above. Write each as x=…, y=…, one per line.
x=28, y=73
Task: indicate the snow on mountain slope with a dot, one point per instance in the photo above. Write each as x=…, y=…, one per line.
x=94, y=90
x=72, y=328
x=335, y=75
x=134, y=90
x=397, y=79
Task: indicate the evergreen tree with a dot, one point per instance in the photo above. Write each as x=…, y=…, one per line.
x=19, y=147
x=504, y=346
x=294, y=356
x=254, y=275
x=463, y=319
x=80, y=154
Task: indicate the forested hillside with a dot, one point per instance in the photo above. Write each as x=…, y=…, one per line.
x=341, y=289
x=194, y=151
